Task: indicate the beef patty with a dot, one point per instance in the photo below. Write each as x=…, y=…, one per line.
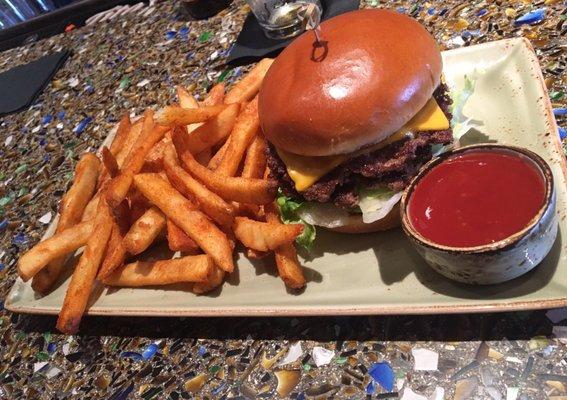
x=392, y=166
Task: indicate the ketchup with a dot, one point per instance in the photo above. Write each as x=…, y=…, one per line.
x=476, y=197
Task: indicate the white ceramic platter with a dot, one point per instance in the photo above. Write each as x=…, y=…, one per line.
x=381, y=273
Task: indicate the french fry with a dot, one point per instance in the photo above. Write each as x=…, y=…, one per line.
x=109, y=162
x=204, y=157
x=263, y=236
x=57, y=246
x=144, y=231
x=255, y=254
x=130, y=142
x=255, y=161
x=289, y=269
x=115, y=253
x=211, y=204
x=90, y=209
x=242, y=190
x=184, y=214
x=171, y=115
x=138, y=204
x=246, y=126
x=215, y=161
x=122, y=133
x=82, y=280
x=177, y=240
x=164, y=272
x=249, y=85
x=215, y=95
x=119, y=186
x=211, y=132
x=117, y=145
x=254, y=167
x=84, y=184
x=71, y=209
x=214, y=280
x=154, y=159
x=186, y=100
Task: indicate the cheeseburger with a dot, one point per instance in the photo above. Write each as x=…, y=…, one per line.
x=351, y=117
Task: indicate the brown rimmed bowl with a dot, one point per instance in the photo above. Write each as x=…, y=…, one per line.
x=495, y=262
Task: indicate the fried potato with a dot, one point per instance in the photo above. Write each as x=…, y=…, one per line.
x=57, y=246
x=144, y=231
x=76, y=199
x=119, y=186
x=154, y=159
x=263, y=236
x=289, y=269
x=242, y=190
x=215, y=161
x=121, y=136
x=171, y=115
x=177, y=240
x=184, y=214
x=71, y=210
x=204, y=157
x=215, y=95
x=214, y=280
x=186, y=100
x=109, y=162
x=255, y=161
x=254, y=167
x=211, y=132
x=138, y=204
x=115, y=253
x=245, y=128
x=165, y=272
x=90, y=209
x=130, y=142
x=255, y=254
x=80, y=287
x=211, y=204
x=249, y=85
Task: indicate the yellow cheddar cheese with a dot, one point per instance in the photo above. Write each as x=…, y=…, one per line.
x=305, y=171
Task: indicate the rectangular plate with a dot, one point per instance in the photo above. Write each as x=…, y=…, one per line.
x=381, y=273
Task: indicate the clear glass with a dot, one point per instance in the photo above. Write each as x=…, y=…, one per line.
x=282, y=19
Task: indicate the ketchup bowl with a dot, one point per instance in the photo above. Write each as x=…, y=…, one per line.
x=482, y=214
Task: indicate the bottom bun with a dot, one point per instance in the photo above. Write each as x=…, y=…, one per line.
x=356, y=225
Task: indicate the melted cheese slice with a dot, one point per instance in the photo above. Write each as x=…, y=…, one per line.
x=305, y=170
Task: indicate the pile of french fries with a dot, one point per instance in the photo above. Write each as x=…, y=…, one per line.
x=193, y=174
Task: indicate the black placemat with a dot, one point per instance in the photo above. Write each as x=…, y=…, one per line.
x=252, y=44
x=21, y=85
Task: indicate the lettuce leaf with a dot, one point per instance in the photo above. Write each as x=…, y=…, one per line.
x=375, y=204
x=460, y=122
x=289, y=209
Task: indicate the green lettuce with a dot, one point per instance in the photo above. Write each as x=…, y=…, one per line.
x=288, y=208
x=461, y=123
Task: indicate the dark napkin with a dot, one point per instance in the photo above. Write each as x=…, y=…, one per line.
x=21, y=85
x=252, y=44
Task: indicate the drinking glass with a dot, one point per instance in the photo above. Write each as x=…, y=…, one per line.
x=282, y=19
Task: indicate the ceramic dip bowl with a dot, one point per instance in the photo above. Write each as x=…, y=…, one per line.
x=500, y=260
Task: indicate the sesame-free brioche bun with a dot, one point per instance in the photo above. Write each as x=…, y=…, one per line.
x=371, y=73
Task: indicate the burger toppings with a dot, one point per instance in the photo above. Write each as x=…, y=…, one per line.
x=389, y=167
x=305, y=171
